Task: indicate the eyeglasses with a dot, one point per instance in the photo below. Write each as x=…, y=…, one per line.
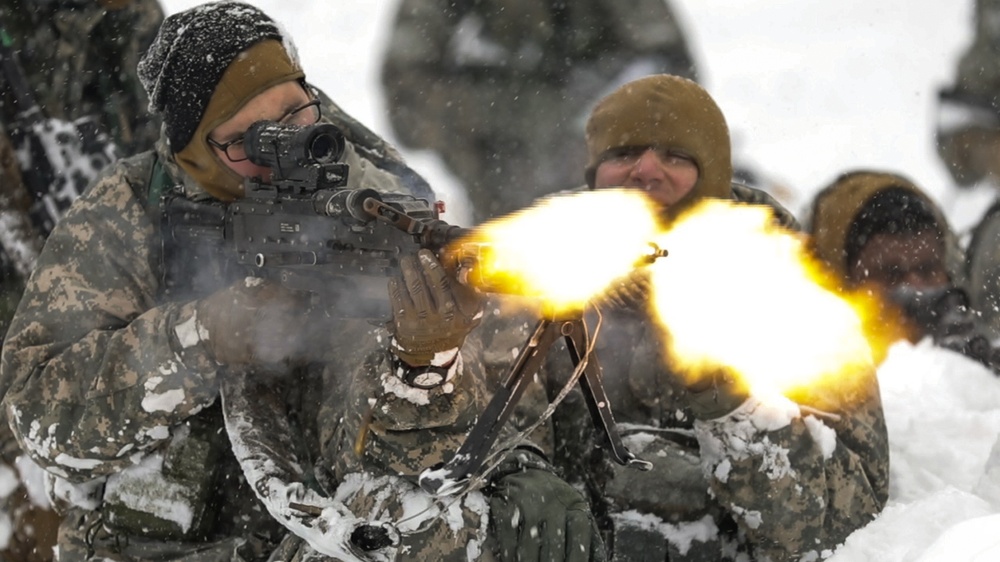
x=308, y=114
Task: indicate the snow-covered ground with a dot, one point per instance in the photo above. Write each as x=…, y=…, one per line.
x=810, y=89
x=943, y=415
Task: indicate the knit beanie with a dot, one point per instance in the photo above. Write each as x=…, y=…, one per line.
x=671, y=112
x=205, y=64
x=184, y=64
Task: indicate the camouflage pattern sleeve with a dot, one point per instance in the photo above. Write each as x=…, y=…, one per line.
x=94, y=370
x=390, y=427
x=379, y=434
x=824, y=468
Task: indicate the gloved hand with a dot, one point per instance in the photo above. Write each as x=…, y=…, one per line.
x=255, y=321
x=431, y=311
x=715, y=394
x=536, y=516
x=630, y=292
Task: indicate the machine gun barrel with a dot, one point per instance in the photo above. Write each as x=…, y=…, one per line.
x=432, y=234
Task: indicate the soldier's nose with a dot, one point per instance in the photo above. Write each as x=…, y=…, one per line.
x=647, y=170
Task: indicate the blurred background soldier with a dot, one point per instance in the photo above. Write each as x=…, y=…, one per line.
x=968, y=142
x=78, y=59
x=968, y=130
x=500, y=89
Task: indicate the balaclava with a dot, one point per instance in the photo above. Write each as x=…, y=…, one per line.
x=670, y=112
x=204, y=65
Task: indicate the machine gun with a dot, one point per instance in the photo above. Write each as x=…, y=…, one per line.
x=285, y=226
x=303, y=227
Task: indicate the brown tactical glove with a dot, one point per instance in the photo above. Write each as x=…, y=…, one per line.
x=255, y=321
x=431, y=311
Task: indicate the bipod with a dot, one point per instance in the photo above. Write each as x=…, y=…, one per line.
x=469, y=458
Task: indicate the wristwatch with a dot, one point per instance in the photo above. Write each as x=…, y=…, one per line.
x=427, y=377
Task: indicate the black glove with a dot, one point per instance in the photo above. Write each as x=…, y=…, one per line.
x=536, y=516
x=255, y=321
x=431, y=311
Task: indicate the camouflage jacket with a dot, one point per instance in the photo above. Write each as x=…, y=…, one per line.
x=80, y=60
x=722, y=489
x=99, y=386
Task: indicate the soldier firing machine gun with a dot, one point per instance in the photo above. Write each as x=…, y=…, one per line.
x=305, y=229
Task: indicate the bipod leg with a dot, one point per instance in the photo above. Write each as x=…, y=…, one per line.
x=472, y=454
x=597, y=399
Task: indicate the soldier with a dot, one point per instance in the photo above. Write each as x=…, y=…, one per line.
x=125, y=341
x=500, y=89
x=879, y=231
x=79, y=59
x=706, y=497
x=968, y=143
x=968, y=133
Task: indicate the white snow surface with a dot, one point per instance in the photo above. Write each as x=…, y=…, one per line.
x=810, y=90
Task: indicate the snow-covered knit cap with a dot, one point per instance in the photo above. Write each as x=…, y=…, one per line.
x=670, y=112
x=186, y=63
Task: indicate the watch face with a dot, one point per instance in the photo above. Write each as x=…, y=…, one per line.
x=426, y=378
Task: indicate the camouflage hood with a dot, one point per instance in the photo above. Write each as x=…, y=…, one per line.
x=671, y=112
x=838, y=205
